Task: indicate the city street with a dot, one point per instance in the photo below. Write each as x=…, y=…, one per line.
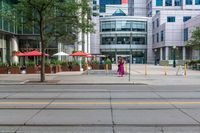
x=99, y=109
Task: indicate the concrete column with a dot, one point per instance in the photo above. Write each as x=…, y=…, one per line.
x=14, y=47
x=79, y=42
x=161, y=54
x=59, y=50
x=184, y=53
x=166, y=53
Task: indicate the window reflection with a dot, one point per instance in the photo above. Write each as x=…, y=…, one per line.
x=123, y=26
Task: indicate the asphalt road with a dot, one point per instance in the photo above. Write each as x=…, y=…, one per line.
x=99, y=109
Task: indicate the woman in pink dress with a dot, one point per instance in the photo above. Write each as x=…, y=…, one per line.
x=121, y=67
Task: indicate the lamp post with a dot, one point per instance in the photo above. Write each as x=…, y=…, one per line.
x=174, y=61
x=155, y=63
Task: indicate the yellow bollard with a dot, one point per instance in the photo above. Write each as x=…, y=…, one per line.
x=106, y=69
x=126, y=68
x=145, y=69
x=165, y=70
x=185, y=70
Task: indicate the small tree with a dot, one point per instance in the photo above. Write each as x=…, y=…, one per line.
x=55, y=20
x=195, y=39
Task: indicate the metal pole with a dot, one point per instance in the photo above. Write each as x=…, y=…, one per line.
x=130, y=58
x=174, y=62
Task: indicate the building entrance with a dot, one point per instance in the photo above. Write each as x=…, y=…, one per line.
x=125, y=57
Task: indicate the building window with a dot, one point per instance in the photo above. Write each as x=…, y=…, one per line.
x=168, y=2
x=177, y=2
x=159, y=2
x=157, y=37
x=157, y=22
x=188, y=2
x=197, y=2
x=186, y=34
x=94, y=2
x=123, y=40
x=161, y=36
x=153, y=24
x=186, y=18
x=157, y=11
x=139, y=40
x=171, y=19
x=108, y=40
x=153, y=39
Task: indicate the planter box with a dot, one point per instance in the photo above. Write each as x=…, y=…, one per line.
x=65, y=68
x=76, y=68
x=30, y=70
x=48, y=69
x=56, y=69
x=15, y=70
x=95, y=66
x=3, y=70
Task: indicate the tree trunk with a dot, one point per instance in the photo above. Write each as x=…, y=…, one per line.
x=42, y=74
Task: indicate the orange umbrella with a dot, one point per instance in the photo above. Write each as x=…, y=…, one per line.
x=79, y=54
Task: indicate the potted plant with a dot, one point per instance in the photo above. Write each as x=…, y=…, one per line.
x=84, y=65
x=56, y=66
x=75, y=66
x=30, y=67
x=48, y=67
x=64, y=66
x=3, y=68
x=15, y=68
x=109, y=63
x=95, y=64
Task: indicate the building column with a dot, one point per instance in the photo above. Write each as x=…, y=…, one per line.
x=14, y=48
x=161, y=54
x=166, y=53
x=184, y=53
x=59, y=50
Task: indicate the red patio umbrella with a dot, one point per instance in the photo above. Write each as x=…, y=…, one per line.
x=19, y=54
x=89, y=56
x=79, y=54
x=34, y=53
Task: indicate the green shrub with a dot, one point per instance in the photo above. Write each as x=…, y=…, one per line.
x=14, y=64
x=64, y=63
x=75, y=63
x=108, y=61
x=55, y=62
x=30, y=64
x=95, y=62
x=3, y=64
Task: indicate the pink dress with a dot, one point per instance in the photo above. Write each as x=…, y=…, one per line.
x=121, y=68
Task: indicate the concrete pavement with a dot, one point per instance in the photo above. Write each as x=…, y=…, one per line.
x=99, y=109
x=156, y=75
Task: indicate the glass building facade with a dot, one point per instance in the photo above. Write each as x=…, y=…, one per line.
x=103, y=4
x=122, y=37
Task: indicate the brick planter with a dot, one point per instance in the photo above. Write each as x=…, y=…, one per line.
x=95, y=66
x=30, y=70
x=76, y=68
x=64, y=68
x=3, y=70
x=56, y=69
x=48, y=69
x=15, y=70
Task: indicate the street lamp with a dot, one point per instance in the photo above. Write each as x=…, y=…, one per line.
x=174, y=61
x=155, y=63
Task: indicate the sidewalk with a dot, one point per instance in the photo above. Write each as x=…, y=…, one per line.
x=155, y=76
